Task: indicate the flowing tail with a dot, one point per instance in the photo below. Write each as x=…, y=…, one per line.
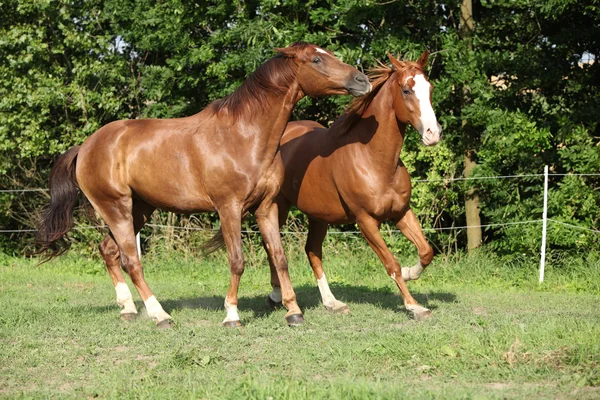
x=57, y=217
x=217, y=242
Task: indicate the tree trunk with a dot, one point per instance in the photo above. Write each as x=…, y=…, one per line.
x=472, y=199
x=472, y=208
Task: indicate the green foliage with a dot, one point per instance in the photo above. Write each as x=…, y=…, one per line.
x=67, y=68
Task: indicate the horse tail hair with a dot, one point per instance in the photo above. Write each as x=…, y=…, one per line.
x=217, y=242
x=57, y=218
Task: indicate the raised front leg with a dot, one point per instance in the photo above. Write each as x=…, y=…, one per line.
x=370, y=230
x=411, y=228
x=267, y=219
x=314, y=250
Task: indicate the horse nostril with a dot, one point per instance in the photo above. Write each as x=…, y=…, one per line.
x=361, y=78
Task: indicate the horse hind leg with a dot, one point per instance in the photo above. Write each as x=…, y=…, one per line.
x=111, y=255
x=119, y=216
x=314, y=250
x=411, y=228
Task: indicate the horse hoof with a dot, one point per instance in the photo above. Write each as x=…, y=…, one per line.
x=419, y=313
x=128, y=316
x=272, y=304
x=422, y=316
x=164, y=324
x=295, y=319
x=340, y=308
x=232, y=324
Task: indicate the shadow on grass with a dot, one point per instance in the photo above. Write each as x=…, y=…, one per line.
x=309, y=297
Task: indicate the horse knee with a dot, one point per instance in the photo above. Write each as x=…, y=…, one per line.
x=108, y=250
x=279, y=259
x=132, y=266
x=236, y=265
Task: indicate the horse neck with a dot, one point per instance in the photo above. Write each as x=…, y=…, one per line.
x=264, y=125
x=273, y=120
x=380, y=130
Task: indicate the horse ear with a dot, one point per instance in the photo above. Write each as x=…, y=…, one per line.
x=287, y=52
x=397, y=64
x=422, y=61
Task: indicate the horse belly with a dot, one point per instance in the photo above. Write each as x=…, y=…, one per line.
x=322, y=203
x=166, y=196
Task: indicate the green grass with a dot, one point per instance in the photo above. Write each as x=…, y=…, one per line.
x=495, y=332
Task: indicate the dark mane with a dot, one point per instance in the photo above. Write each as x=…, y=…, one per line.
x=273, y=78
x=354, y=112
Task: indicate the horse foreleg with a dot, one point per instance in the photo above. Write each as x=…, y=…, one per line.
x=268, y=224
x=314, y=250
x=411, y=228
x=369, y=227
x=231, y=226
x=274, y=299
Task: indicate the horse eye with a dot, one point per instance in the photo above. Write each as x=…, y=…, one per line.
x=406, y=92
x=317, y=60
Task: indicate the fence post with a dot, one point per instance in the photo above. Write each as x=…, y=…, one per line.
x=544, y=224
x=139, y=248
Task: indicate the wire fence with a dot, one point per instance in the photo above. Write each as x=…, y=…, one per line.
x=544, y=221
x=350, y=232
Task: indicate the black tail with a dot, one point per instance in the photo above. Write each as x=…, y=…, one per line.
x=57, y=217
x=217, y=242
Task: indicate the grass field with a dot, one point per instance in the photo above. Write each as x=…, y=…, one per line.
x=495, y=332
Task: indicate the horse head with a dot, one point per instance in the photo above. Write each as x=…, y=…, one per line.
x=320, y=73
x=412, y=100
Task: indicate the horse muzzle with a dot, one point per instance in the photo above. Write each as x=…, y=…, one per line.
x=359, y=85
x=432, y=136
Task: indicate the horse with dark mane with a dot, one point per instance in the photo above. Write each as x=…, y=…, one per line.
x=223, y=159
x=351, y=173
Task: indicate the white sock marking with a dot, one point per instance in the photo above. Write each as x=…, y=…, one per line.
x=327, y=297
x=275, y=295
x=413, y=273
x=232, y=312
x=125, y=299
x=155, y=310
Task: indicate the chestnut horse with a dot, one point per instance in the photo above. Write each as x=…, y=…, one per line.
x=223, y=159
x=352, y=173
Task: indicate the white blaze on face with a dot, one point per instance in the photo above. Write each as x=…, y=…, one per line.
x=320, y=50
x=430, y=129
